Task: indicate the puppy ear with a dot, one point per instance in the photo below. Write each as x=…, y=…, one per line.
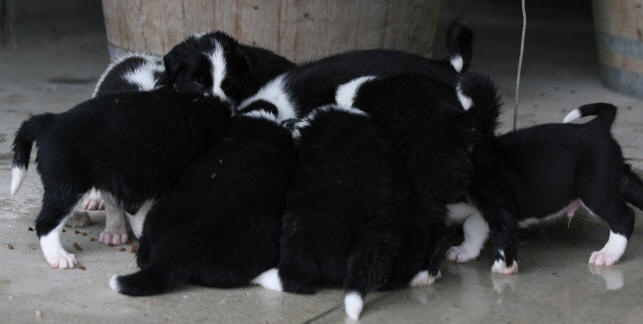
x=246, y=59
x=172, y=63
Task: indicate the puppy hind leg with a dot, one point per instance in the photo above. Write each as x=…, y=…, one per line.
x=55, y=210
x=505, y=232
x=621, y=227
x=476, y=232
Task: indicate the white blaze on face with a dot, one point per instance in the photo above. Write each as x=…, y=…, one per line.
x=218, y=70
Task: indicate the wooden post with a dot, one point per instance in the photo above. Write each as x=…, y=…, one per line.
x=298, y=29
x=619, y=39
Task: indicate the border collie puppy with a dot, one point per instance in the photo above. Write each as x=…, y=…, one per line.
x=311, y=85
x=214, y=63
x=433, y=127
x=549, y=171
x=131, y=73
x=131, y=147
x=351, y=216
x=223, y=218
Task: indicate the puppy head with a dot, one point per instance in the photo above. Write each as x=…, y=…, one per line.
x=212, y=63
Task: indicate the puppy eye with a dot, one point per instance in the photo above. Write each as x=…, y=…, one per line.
x=200, y=81
x=228, y=87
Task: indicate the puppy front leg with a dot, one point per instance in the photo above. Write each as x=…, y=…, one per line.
x=115, y=231
x=476, y=232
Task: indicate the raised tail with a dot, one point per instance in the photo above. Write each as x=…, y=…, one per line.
x=605, y=112
x=479, y=97
x=25, y=136
x=151, y=280
x=632, y=187
x=460, y=45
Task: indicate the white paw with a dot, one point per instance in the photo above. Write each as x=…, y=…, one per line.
x=423, y=279
x=499, y=266
x=353, y=304
x=115, y=237
x=269, y=279
x=79, y=219
x=600, y=258
x=460, y=254
x=61, y=259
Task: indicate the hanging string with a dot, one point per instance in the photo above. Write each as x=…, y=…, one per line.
x=522, y=49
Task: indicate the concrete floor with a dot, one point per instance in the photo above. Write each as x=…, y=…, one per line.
x=555, y=283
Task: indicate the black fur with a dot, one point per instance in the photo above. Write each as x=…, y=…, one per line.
x=248, y=67
x=351, y=215
x=133, y=146
x=433, y=135
x=220, y=225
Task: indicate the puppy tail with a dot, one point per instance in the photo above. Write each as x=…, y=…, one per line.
x=479, y=97
x=151, y=280
x=632, y=187
x=459, y=45
x=606, y=113
x=25, y=136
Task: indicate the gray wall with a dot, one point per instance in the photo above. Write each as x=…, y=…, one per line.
x=25, y=20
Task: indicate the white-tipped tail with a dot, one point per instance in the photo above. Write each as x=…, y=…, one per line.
x=457, y=62
x=113, y=283
x=17, y=177
x=465, y=100
x=353, y=304
x=269, y=279
x=572, y=115
x=345, y=95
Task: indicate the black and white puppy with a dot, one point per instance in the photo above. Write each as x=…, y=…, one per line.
x=220, y=225
x=214, y=63
x=351, y=216
x=134, y=72
x=549, y=171
x=131, y=73
x=314, y=84
x=132, y=147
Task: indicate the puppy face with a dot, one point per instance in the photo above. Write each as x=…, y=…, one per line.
x=213, y=64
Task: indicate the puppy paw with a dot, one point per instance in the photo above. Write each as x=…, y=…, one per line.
x=79, y=219
x=600, y=258
x=113, y=236
x=423, y=279
x=353, y=305
x=499, y=266
x=61, y=259
x=93, y=204
x=460, y=254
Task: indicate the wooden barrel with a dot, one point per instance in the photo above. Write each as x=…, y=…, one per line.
x=619, y=38
x=300, y=30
